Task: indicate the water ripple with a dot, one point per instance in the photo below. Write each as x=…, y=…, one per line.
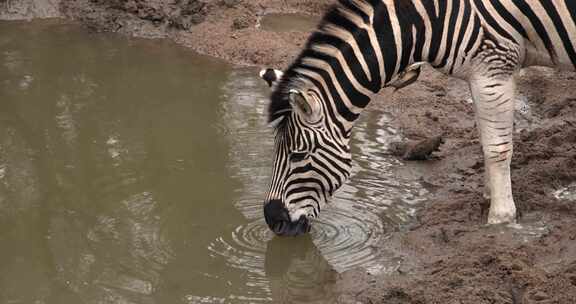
x=302, y=269
x=245, y=249
x=347, y=237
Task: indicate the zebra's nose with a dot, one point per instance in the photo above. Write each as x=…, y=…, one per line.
x=278, y=219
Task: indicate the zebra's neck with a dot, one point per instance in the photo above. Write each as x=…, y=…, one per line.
x=362, y=45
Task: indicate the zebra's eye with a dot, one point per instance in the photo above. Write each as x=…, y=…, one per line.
x=298, y=156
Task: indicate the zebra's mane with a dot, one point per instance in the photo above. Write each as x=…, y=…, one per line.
x=280, y=109
x=338, y=18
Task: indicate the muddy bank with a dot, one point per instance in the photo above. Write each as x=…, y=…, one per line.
x=227, y=29
x=29, y=9
x=449, y=255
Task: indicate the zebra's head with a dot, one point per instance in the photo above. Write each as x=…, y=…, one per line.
x=312, y=156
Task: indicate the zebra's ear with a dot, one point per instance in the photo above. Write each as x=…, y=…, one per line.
x=271, y=76
x=306, y=106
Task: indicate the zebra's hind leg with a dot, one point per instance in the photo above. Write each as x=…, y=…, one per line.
x=494, y=107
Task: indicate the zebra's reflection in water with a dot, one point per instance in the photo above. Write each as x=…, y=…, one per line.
x=297, y=271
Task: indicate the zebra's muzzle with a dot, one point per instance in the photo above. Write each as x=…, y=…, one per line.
x=278, y=219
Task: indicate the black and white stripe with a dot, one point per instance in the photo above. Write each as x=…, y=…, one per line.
x=363, y=45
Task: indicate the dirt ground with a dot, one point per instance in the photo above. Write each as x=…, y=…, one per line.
x=449, y=254
x=222, y=28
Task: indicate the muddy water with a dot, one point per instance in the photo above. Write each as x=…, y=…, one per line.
x=133, y=171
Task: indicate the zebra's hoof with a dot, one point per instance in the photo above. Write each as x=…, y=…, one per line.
x=501, y=218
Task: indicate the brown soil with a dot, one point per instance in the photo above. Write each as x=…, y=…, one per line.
x=449, y=255
x=222, y=28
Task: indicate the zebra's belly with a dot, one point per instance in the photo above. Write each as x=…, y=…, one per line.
x=537, y=57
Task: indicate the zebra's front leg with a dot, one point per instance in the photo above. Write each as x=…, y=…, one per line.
x=494, y=107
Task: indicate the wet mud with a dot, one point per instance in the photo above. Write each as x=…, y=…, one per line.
x=448, y=254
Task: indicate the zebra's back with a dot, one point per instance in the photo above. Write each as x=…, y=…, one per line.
x=545, y=29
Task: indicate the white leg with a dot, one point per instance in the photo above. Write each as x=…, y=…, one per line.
x=486, y=193
x=494, y=106
x=486, y=188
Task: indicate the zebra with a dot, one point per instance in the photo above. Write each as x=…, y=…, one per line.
x=271, y=76
x=361, y=46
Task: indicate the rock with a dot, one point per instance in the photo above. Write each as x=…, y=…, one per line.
x=416, y=150
x=431, y=116
x=397, y=148
x=240, y=23
x=539, y=296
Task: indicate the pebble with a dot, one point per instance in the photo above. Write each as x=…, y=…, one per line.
x=539, y=296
